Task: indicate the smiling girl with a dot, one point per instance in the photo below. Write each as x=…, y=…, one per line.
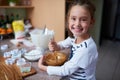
x=83, y=57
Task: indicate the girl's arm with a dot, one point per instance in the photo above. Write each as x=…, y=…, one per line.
x=41, y=66
x=53, y=46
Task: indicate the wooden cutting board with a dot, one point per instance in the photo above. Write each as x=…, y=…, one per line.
x=15, y=68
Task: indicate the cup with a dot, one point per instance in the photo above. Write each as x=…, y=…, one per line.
x=25, y=67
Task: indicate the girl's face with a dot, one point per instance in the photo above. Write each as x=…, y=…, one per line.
x=79, y=20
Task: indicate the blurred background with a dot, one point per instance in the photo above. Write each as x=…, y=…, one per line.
x=106, y=31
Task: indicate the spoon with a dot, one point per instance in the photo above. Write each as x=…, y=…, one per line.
x=44, y=29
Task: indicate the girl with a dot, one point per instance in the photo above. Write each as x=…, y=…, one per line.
x=83, y=57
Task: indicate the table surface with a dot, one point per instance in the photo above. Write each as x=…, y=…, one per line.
x=40, y=75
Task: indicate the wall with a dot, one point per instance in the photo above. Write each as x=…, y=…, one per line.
x=50, y=13
x=96, y=30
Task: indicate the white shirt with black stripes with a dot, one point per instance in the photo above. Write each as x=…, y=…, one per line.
x=82, y=63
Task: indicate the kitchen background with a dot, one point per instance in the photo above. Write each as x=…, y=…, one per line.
x=53, y=13
x=106, y=30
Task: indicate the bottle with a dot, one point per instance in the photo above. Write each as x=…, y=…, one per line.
x=8, y=24
x=2, y=21
x=11, y=18
x=7, y=19
x=17, y=17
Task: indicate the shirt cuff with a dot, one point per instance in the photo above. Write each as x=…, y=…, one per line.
x=53, y=70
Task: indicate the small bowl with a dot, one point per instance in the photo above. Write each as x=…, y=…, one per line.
x=33, y=55
x=55, y=58
x=25, y=67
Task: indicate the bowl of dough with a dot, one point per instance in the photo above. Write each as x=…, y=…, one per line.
x=55, y=58
x=33, y=55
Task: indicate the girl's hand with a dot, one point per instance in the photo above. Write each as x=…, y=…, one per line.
x=40, y=65
x=53, y=45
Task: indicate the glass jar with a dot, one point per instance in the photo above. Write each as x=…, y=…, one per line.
x=26, y=2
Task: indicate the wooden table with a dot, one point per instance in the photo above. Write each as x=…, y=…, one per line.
x=40, y=75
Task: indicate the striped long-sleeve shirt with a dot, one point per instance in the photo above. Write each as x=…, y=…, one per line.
x=82, y=63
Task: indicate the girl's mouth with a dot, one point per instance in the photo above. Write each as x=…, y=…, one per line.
x=77, y=29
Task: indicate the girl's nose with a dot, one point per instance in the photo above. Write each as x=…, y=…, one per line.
x=77, y=22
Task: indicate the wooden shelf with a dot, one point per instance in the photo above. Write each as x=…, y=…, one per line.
x=16, y=7
x=69, y=1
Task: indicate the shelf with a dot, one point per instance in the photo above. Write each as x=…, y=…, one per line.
x=69, y=1
x=16, y=7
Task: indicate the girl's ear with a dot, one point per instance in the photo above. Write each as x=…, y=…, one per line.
x=92, y=21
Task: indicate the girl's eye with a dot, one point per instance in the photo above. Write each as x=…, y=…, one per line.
x=73, y=19
x=84, y=19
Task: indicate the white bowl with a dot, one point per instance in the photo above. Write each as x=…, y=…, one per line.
x=33, y=55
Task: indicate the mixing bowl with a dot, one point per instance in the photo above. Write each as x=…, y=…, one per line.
x=54, y=58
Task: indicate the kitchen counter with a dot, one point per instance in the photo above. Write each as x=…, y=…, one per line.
x=40, y=75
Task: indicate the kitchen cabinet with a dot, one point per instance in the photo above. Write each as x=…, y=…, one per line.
x=13, y=13
x=24, y=7
x=21, y=10
x=17, y=2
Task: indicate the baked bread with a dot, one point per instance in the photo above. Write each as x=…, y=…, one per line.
x=54, y=58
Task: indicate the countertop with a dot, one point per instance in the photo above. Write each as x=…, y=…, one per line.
x=40, y=75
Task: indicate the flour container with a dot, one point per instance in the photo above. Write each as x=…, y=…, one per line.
x=18, y=27
x=41, y=38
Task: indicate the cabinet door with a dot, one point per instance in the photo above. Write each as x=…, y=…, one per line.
x=117, y=32
x=117, y=24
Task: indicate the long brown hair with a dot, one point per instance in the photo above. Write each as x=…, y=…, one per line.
x=85, y=3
